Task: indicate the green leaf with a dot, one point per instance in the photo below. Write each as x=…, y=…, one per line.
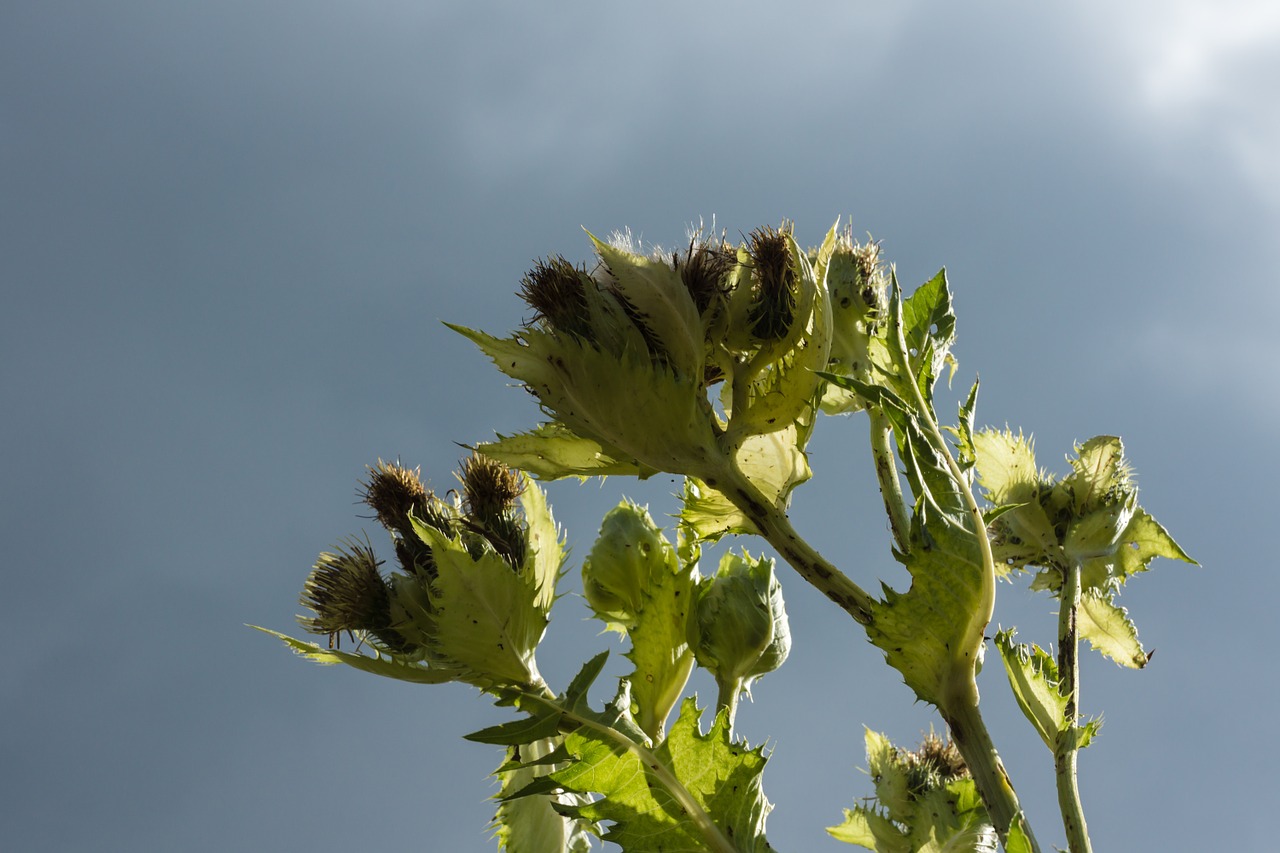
x=1033, y=675
x=654, y=418
x=661, y=654
x=544, y=562
x=658, y=294
x=774, y=462
x=966, y=453
x=1144, y=540
x=552, y=451
x=388, y=666
x=929, y=327
x=1109, y=630
x=519, y=732
x=664, y=799
x=926, y=633
x=527, y=821
x=486, y=618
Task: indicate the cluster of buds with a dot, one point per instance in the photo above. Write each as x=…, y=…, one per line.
x=1083, y=519
x=476, y=582
x=676, y=362
x=925, y=800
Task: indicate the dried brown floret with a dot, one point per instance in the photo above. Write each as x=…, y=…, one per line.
x=774, y=305
x=555, y=289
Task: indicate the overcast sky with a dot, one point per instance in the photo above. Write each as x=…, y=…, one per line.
x=228, y=235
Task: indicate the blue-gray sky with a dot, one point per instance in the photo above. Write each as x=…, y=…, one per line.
x=229, y=234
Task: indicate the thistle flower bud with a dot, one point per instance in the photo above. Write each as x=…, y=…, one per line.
x=740, y=631
x=773, y=308
x=393, y=491
x=624, y=563
x=348, y=594
x=932, y=765
x=555, y=289
x=489, y=488
x=703, y=270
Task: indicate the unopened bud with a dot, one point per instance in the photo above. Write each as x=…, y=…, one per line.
x=624, y=563
x=740, y=629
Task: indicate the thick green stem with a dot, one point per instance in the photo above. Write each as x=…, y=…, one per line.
x=887, y=474
x=961, y=704
x=1067, y=748
x=773, y=524
x=970, y=735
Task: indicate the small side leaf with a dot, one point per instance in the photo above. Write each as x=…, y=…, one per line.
x=1033, y=675
x=1109, y=630
x=552, y=451
x=388, y=667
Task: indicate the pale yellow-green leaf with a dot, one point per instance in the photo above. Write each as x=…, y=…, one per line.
x=486, y=616
x=1033, y=675
x=388, y=666
x=1144, y=540
x=657, y=293
x=544, y=562
x=660, y=649
x=773, y=462
x=552, y=451
x=1109, y=630
x=1098, y=469
x=656, y=419
x=1007, y=466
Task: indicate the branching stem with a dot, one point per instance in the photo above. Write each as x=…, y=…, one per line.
x=887, y=475
x=773, y=524
x=1067, y=749
x=961, y=712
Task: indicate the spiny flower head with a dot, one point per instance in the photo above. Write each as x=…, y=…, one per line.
x=773, y=308
x=347, y=593
x=556, y=290
x=933, y=764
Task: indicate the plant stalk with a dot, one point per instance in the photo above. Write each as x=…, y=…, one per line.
x=887, y=474
x=970, y=735
x=728, y=695
x=961, y=712
x=1067, y=748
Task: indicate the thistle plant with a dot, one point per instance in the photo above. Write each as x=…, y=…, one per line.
x=715, y=363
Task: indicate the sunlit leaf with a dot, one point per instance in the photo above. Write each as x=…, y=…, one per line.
x=1109, y=630
x=386, y=666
